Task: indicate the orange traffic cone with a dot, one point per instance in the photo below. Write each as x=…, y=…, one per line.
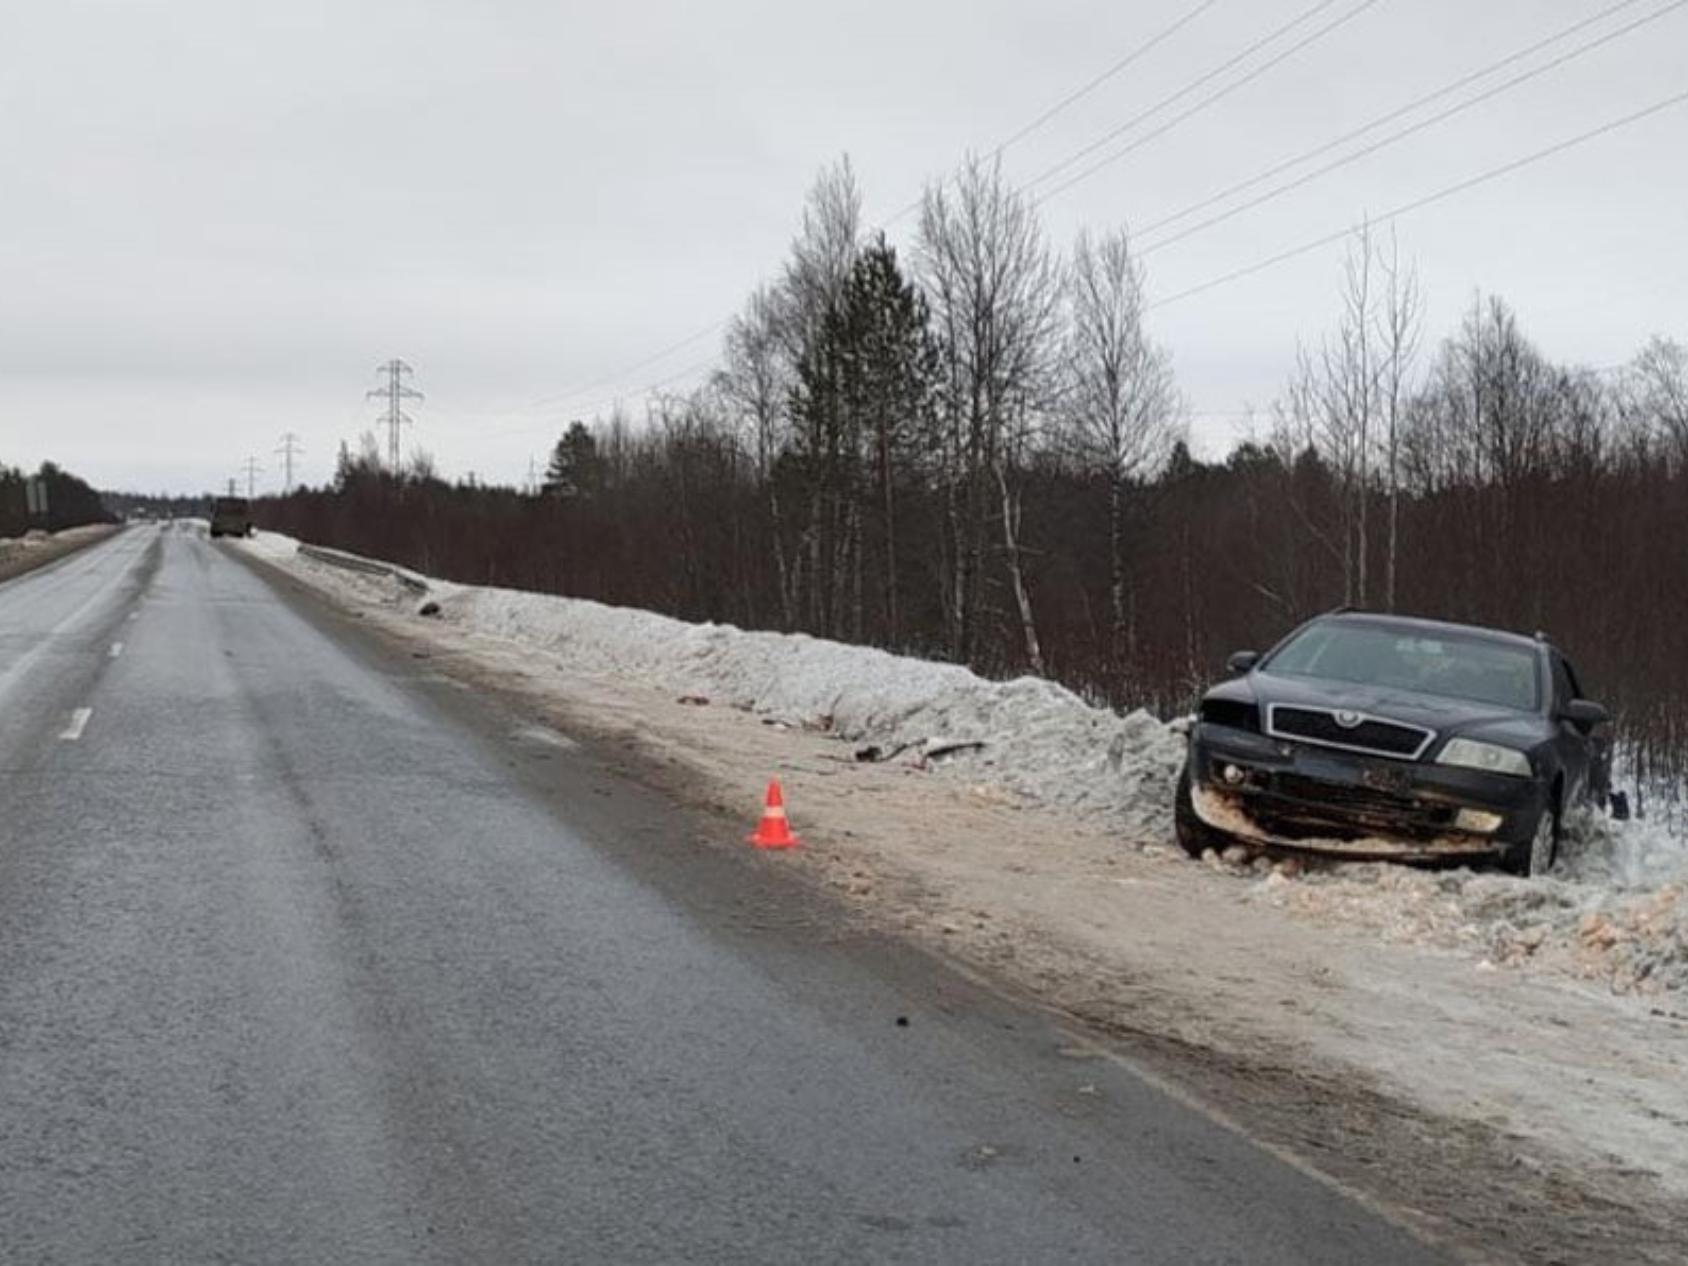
x=774, y=831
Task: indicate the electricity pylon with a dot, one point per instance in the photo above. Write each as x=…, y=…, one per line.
x=396, y=392
x=290, y=448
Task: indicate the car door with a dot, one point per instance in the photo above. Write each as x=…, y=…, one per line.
x=1597, y=745
x=1572, y=744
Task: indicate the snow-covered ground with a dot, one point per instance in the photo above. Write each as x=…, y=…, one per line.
x=1024, y=831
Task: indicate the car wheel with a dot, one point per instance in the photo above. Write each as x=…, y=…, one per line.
x=1195, y=837
x=1537, y=855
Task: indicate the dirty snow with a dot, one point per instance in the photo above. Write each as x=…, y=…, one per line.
x=1614, y=911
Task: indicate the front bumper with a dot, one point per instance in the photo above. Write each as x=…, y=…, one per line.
x=1305, y=797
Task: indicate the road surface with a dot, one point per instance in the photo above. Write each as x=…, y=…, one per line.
x=307, y=955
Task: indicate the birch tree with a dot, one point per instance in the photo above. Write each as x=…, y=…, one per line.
x=994, y=288
x=1398, y=323
x=1119, y=406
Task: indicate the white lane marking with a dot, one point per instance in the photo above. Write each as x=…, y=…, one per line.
x=94, y=558
x=78, y=723
x=116, y=649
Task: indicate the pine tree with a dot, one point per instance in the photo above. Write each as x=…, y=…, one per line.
x=574, y=469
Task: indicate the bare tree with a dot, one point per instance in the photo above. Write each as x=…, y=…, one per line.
x=1397, y=321
x=821, y=260
x=1655, y=392
x=994, y=289
x=755, y=379
x=1119, y=406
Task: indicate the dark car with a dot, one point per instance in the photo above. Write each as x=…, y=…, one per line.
x=231, y=516
x=1383, y=737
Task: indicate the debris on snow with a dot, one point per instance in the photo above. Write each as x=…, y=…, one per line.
x=1615, y=911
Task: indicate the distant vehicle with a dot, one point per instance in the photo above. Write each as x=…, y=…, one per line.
x=231, y=516
x=1383, y=737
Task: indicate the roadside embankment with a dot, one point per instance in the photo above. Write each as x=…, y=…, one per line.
x=20, y=554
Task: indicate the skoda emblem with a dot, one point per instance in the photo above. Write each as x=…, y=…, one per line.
x=1348, y=720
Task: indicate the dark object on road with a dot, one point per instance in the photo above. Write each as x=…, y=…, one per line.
x=1382, y=737
x=429, y=609
x=231, y=516
x=1619, y=805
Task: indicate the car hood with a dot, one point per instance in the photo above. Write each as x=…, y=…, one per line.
x=1448, y=717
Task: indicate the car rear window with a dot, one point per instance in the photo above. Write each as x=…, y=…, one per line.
x=1454, y=667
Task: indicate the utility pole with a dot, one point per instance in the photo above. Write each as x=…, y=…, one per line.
x=396, y=392
x=290, y=448
x=252, y=468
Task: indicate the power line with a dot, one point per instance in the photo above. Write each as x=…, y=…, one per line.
x=1390, y=117
x=1211, y=99
x=252, y=470
x=1019, y=135
x=1079, y=94
x=1493, y=173
x=396, y=392
x=1440, y=117
x=290, y=448
x=1083, y=91
x=1215, y=72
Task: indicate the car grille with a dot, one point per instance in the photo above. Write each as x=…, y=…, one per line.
x=1319, y=725
x=1297, y=807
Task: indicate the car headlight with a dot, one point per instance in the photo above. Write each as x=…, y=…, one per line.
x=1491, y=758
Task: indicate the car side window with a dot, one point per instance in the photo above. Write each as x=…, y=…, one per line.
x=1564, y=685
x=1576, y=682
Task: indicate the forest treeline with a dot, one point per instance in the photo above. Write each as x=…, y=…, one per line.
x=977, y=452
x=70, y=501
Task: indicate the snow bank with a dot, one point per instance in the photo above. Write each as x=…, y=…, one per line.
x=1033, y=738
x=1030, y=737
x=270, y=545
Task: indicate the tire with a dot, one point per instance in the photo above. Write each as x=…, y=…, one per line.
x=1195, y=837
x=1537, y=855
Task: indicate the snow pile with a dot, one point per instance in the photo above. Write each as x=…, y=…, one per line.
x=269, y=545
x=1030, y=737
x=1614, y=911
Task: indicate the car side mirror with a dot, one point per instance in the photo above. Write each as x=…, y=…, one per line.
x=1242, y=661
x=1585, y=714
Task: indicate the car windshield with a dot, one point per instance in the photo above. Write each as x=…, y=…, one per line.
x=1455, y=667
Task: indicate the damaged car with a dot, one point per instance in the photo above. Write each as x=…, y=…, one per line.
x=1383, y=737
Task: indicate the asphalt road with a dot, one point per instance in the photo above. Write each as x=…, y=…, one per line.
x=309, y=955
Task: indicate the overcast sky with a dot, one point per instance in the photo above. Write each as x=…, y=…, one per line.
x=217, y=217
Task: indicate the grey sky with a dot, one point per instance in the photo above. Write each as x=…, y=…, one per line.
x=218, y=217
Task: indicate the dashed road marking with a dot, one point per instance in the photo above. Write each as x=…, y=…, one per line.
x=116, y=649
x=78, y=723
